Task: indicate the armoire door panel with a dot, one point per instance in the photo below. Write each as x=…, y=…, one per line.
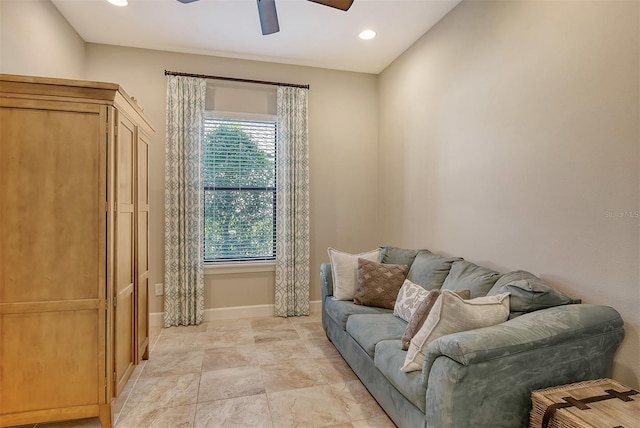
x=143, y=238
x=142, y=321
x=124, y=256
x=123, y=343
x=125, y=275
x=143, y=170
x=142, y=244
x=57, y=353
x=125, y=161
x=52, y=204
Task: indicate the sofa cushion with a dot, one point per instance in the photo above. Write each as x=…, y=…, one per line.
x=453, y=314
x=344, y=270
x=388, y=358
x=422, y=311
x=528, y=292
x=430, y=270
x=379, y=283
x=398, y=256
x=341, y=310
x=465, y=275
x=369, y=329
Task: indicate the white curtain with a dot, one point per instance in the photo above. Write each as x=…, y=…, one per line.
x=292, y=204
x=184, y=266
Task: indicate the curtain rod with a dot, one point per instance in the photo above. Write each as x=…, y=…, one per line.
x=235, y=79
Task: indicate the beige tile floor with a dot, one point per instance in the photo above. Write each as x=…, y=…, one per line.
x=256, y=372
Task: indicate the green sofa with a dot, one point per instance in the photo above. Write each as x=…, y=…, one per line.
x=478, y=378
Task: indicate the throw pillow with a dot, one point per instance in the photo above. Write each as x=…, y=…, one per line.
x=379, y=283
x=409, y=298
x=344, y=270
x=420, y=315
x=452, y=314
x=465, y=275
x=430, y=270
x=528, y=292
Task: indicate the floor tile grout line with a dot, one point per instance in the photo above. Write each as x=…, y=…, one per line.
x=196, y=404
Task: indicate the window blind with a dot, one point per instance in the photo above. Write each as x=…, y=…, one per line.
x=239, y=179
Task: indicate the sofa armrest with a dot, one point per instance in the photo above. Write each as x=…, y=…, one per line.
x=326, y=280
x=529, y=332
x=485, y=377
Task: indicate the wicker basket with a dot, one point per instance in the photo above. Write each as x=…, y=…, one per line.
x=610, y=413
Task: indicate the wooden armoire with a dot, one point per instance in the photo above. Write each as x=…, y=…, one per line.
x=74, y=225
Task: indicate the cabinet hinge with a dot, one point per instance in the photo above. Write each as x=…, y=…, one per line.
x=114, y=376
x=115, y=301
x=115, y=130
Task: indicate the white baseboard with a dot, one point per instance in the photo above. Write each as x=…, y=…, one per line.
x=156, y=319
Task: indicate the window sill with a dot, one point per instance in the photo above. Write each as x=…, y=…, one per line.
x=239, y=267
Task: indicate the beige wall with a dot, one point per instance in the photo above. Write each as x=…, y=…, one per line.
x=35, y=39
x=509, y=136
x=343, y=133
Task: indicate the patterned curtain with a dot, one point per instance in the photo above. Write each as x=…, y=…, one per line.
x=184, y=268
x=292, y=204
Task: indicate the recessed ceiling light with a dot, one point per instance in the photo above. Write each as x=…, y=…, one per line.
x=367, y=34
x=119, y=2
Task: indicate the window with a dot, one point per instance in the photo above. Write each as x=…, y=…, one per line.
x=239, y=178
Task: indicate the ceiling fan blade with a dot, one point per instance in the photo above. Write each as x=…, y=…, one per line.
x=268, y=16
x=187, y=1
x=338, y=4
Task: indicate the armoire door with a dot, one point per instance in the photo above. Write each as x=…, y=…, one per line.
x=52, y=261
x=142, y=246
x=124, y=248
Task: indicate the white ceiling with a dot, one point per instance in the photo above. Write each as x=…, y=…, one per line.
x=310, y=34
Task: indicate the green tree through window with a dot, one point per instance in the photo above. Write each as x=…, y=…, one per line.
x=239, y=190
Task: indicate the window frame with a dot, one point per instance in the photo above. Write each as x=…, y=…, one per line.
x=250, y=265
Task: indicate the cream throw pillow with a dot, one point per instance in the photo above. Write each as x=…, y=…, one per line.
x=409, y=298
x=452, y=314
x=344, y=269
x=420, y=315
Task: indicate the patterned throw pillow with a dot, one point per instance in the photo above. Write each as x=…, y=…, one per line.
x=452, y=314
x=420, y=314
x=379, y=283
x=409, y=298
x=344, y=270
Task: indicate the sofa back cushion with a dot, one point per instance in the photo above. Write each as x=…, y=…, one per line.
x=430, y=270
x=528, y=292
x=465, y=275
x=398, y=256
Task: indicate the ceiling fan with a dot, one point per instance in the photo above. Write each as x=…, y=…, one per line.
x=269, y=15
